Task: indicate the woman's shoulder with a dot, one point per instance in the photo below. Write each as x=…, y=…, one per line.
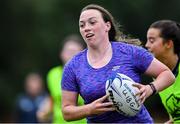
x=79, y=56
x=128, y=49
x=123, y=47
x=127, y=46
x=77, y=59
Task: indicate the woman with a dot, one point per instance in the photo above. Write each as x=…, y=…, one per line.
x=28, y=102
x=88, y=71
x=71, y=45
x=163, y=40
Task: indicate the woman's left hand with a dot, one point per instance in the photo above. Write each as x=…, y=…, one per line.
x=144, y=91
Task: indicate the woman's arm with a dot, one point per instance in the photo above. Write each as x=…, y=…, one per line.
x=162, y=74
x=72, y=112
x=163, y=78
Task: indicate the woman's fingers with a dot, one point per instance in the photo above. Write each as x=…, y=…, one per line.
x=106, y=104
x=103, y=98
x=107, y=109
x=139, y=86
x=142, y=92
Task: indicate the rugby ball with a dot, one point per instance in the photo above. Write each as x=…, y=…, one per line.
x=122, y=94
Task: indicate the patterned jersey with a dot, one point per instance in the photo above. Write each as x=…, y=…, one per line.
x=89, y=82
x=53, y=82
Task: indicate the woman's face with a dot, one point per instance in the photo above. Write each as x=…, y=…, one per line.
x=93, y=28
x=155, y=43
x=69, y=50
x=34, y=84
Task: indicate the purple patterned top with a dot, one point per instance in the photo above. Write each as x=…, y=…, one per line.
x=80, y=77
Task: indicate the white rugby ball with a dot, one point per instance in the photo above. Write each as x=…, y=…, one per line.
x=122, y=94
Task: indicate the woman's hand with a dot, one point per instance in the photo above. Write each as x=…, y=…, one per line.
x=144, y=91
x=73, y=112
x=100, y=106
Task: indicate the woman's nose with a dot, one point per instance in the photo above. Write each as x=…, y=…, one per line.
x=147, y=44
x=87, y=28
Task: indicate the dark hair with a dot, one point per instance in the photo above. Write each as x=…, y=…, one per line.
x=114, y=32
x=169, y=30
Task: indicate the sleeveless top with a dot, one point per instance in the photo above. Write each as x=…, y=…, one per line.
x=171, y=97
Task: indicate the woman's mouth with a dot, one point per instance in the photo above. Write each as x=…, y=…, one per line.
x=89, y=35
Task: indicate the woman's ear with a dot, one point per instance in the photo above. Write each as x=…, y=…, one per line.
x=108, y=26
x=169, y=44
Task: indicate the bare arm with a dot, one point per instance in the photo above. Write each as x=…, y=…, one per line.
x=162, y=74
x=163, y=78
x=73, y=112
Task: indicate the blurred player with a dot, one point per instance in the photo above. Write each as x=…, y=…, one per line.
x=72, y=45
x=29, y=102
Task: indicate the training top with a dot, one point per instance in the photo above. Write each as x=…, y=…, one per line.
x=89, y=82
x=171, y=98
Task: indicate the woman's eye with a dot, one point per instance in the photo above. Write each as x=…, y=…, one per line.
x=151, y=40
x=81, y=25
x=92, y=22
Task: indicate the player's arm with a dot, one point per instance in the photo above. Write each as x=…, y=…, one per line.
x=72, y=112
x=162, y=74
x=163, y=78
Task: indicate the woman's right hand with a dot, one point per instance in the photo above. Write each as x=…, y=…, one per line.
x=73, y=112
x=101, y=105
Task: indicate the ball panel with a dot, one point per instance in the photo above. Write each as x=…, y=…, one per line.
x=122, y=94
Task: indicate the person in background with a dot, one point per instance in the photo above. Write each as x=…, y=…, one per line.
x=87, y=72
x=72, y=44
x=163, y=40
x=28, y=102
